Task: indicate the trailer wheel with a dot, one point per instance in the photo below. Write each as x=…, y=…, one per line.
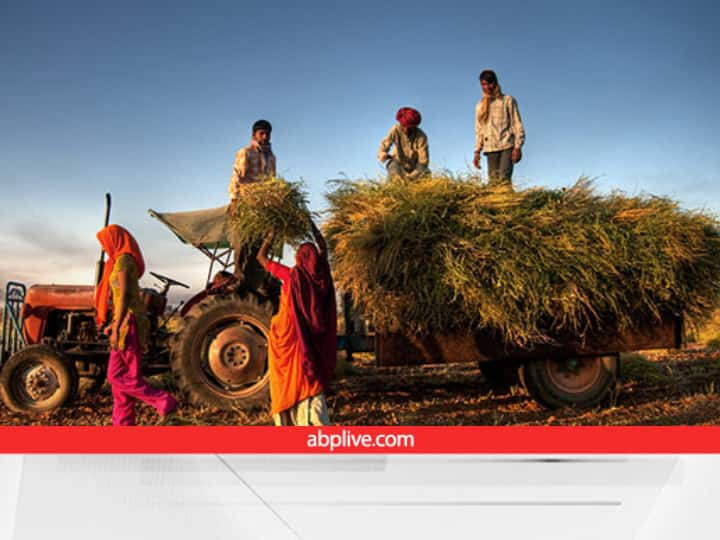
x=38, y=379
x=561, y=382
x=500, y=375
x=219, y=356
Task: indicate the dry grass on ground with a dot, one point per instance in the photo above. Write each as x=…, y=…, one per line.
x=661, y=388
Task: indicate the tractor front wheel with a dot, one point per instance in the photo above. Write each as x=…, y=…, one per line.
x=38, y=379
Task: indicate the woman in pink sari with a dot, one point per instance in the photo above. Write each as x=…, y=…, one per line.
x=129, y=328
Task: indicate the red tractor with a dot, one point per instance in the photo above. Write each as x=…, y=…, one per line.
x=218, y=355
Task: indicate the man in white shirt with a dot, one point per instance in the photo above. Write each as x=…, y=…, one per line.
x=499, y=132
x=254, y=163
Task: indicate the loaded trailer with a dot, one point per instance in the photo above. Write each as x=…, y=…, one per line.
x=218, y=351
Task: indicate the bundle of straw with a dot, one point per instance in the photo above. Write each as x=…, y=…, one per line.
x=274, y=205
x=449, y=253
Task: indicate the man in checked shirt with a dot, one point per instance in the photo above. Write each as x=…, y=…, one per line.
x=254, y=163
x=499, y=132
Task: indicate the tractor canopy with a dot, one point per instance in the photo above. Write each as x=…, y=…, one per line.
x=206, y=230
x=200, y=228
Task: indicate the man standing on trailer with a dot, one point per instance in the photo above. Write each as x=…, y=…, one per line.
x=499, y=132
x=254, y=163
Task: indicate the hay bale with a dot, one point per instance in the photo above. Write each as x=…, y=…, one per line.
x=448, y=253
x=273, y=205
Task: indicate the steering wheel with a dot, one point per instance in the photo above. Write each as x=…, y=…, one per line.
x=168, y=282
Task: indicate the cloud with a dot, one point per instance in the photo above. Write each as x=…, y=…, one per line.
x=42, y=253
x=39, y=237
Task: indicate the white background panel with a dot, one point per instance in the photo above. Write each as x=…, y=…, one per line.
x=354, y=497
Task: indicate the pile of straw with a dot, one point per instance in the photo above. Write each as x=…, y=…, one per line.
x=449, y=253
x=274, y=205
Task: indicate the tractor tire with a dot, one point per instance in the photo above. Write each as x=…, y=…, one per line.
x=219, y=355
x=38, y=379
x=500, y=375
x=580, y=382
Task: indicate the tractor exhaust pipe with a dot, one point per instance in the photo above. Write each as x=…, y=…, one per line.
x=100, y=266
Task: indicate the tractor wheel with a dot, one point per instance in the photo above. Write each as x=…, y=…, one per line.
x=38, y=379
x=500, y=375
x=562, y=382
x=219, y=356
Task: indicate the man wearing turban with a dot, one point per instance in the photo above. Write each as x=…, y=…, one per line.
x=405, y=148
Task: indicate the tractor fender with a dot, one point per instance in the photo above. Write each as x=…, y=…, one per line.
x=222, y=283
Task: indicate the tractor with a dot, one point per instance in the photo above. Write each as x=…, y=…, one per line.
x=218, y=355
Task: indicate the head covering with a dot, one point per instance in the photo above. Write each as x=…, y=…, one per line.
x=115, y=241
x=313, y=300
x=408, y=117
x=488, y=76
x=262, y=124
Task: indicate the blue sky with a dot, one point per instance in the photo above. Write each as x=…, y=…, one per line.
x=151, y=100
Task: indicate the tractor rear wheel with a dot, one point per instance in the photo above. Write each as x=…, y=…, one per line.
x=562, y=382
x=219, y=356
x=38, y=379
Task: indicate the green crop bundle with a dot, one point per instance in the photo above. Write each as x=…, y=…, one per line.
x=447, y=253
x=276, y=206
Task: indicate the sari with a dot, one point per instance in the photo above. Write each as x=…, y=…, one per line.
x=303, y=340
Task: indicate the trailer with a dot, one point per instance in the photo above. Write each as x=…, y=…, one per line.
x=570, y=371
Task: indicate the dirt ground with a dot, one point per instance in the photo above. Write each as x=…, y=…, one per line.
x=667, y=388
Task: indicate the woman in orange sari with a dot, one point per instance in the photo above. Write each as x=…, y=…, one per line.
x=303, y=336
x=129, y=328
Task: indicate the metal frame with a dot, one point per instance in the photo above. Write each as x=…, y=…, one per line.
x=12, y=336
x=216, y=257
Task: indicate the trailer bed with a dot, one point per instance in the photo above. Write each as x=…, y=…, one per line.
x=394, y=349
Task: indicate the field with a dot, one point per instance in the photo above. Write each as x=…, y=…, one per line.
x=660, y=388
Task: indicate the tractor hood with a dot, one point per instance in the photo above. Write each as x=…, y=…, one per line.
x=42, y=300
x=71, y=297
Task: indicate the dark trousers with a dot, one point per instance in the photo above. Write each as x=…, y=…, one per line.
x=248, y=271
x=500, y=167
x=395, y=168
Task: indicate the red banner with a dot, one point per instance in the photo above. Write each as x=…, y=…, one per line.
x=361, y=440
